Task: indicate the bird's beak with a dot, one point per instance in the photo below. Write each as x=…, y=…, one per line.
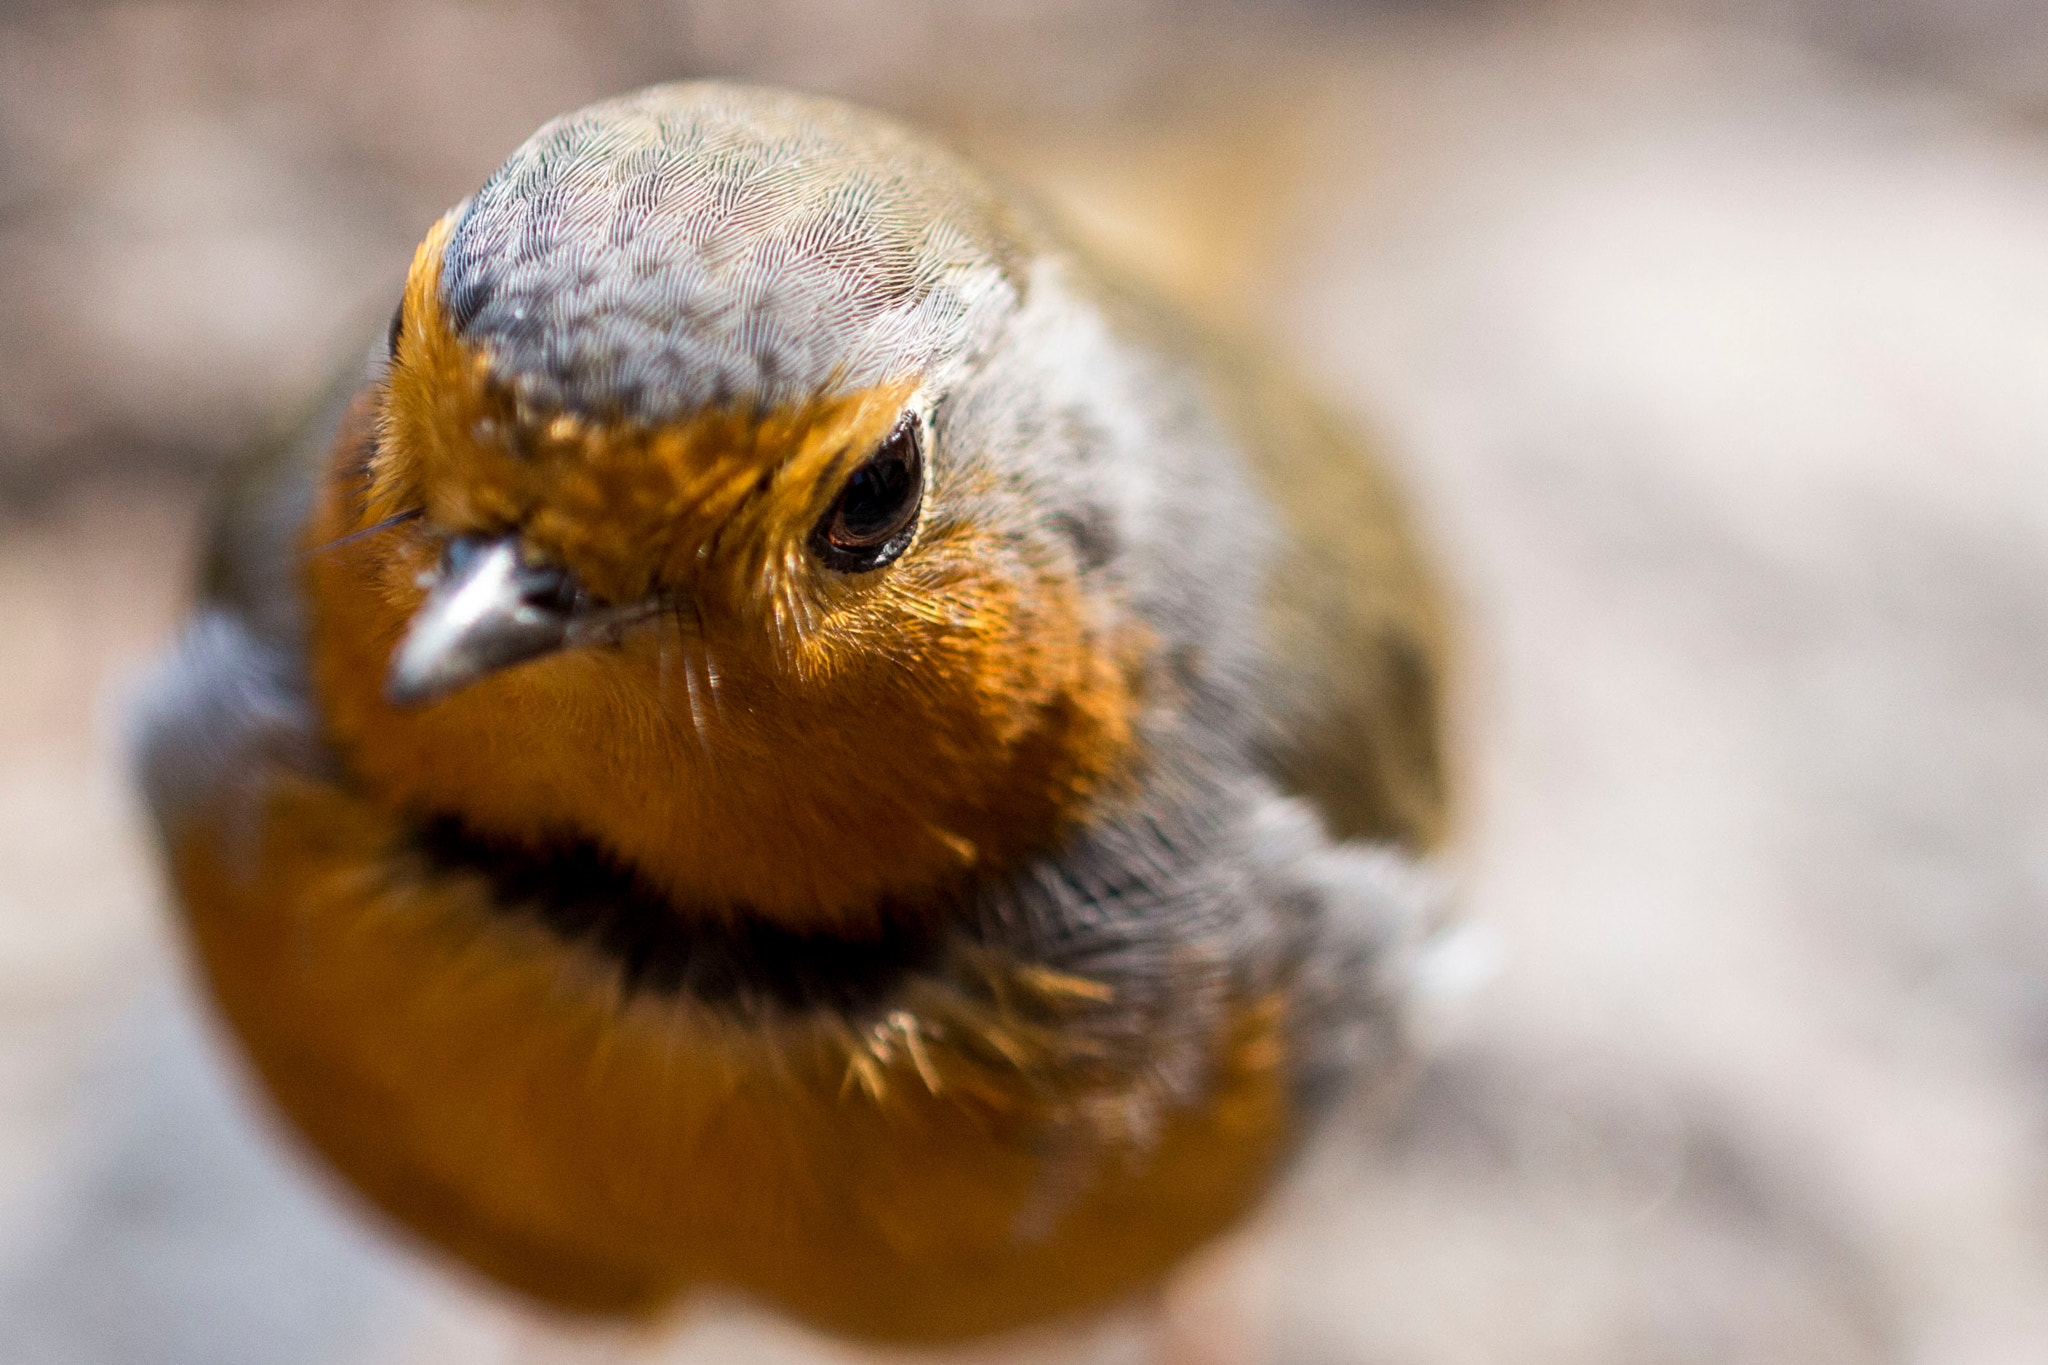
x=485, y=610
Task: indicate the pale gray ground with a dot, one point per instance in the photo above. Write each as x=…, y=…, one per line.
x=1717, y=355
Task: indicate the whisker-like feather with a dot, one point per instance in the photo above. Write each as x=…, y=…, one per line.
x=397, y=519
x=696, y=703
x=710, y=669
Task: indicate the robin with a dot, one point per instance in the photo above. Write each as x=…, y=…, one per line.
x=793, y=733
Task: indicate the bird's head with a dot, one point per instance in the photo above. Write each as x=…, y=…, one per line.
x=727, y=523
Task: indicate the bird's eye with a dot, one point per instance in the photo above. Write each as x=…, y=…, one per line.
x=871, y=521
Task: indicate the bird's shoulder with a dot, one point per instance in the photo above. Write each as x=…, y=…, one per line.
x=1352, y=633
x=232, y=691
x=1353, y=616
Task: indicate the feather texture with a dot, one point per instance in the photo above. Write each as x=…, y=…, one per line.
x=929, y=951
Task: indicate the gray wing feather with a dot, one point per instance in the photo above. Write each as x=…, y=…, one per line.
x=233, y=689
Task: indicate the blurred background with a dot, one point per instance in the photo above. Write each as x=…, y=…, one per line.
x=1712, y=339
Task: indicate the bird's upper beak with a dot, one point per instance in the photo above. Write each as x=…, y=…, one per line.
x=486, y=610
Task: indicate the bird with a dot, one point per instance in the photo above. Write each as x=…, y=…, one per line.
x=790, y=732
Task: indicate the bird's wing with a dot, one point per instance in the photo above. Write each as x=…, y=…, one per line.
x=1353, y=618
x=235, y=684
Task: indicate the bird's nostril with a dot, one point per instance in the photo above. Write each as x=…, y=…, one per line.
x=548, y=588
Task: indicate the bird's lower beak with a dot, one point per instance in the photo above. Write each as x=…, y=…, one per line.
x=485, y=611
